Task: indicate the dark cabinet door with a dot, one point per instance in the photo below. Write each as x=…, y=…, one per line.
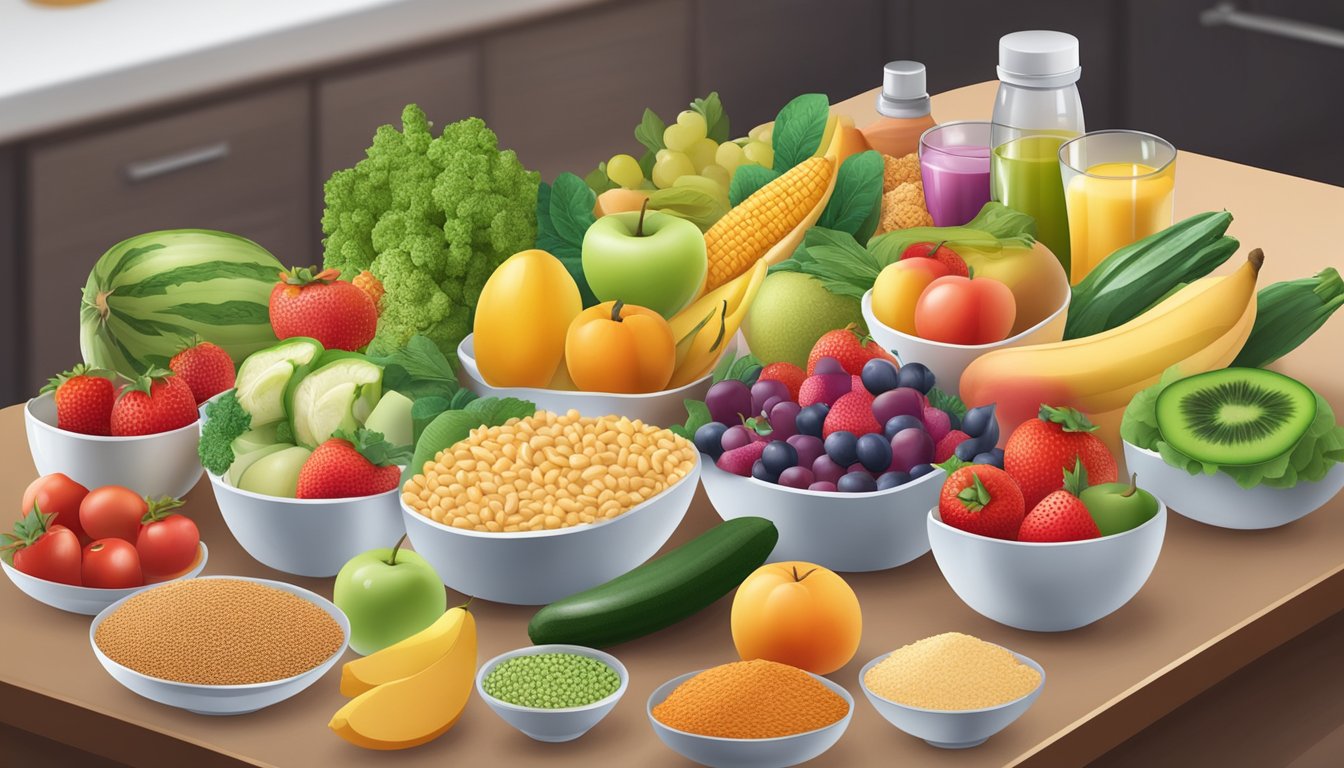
x=11, y=310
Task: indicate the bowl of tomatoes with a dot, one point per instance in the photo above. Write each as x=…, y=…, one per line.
x=80, y=550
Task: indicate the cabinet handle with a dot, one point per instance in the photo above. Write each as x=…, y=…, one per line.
x=144, y=170
x=1226, y=14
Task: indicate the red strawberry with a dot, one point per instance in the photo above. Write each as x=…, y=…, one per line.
x=346, y=466
x=739, y=460
x=824, y=388
x=853, y=412
x=982, y=499
x=940, y=253
x=207, y=369
x=336, y=313
x=936, y=422
x=1039, y=450
x=787, y=374
x=84, y=398
x=159, y=401
x=1061, y=515
x=856, y=385
x=945, y=447
x=849, y=347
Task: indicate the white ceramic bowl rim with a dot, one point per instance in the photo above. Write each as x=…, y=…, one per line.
x=534, y=650
x=1156, y=455
x=1068, y=296
x=1161, y=509
x=834, y=495
x=304, y=594
x=197, y=565
x=831, y=685
x=863, y=681
x=28, y=409
x=216, y=479
x=577, y=392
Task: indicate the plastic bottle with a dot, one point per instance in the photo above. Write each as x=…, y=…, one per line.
x=904, y=106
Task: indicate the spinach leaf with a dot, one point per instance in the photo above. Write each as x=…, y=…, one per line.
x=419, y=369
x=649, y=132
x=697, y=415
x=798, y=130
x=746, y=180
x=564, y=213
x=598, y=181
x=451, y=427
x=715, y=119
x=696, y=206
x=858, y=192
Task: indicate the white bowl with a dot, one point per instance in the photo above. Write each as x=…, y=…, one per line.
x=845, y=532
x=1043, y=586
x=539, y=567
x=1218, y=500
x=660, y=408
x=223, y=699
x=86, y=600
x=778, y=752
x=164, y=464
x=553, y=725
x=951, y=729
x=948, y=361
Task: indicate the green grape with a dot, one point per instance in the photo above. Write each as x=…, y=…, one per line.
x=625, y=170
x=702, y=152
x=717, y=174
x=762, y=132
x=668, y=165
x=760, y=153
x=728, y=156
x=689, y=128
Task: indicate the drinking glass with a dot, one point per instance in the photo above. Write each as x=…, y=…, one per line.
x=1024, y=175
x=954, y=163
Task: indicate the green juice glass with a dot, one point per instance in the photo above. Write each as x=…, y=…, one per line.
x=1025, y=176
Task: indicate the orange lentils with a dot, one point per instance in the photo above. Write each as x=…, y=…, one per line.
x=218, y=632
x=755, y=699
x=951, y=671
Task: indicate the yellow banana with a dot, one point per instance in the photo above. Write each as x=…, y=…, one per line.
x=714, y=337
x=405, y=658
x=687, y=319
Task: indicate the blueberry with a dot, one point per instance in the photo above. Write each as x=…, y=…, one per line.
x=915, y=375
x=892, y=479
x=827, y=364
x=856, y=482
x=920, y=470
x=874, y=452
x=986, y=458
x=779, y=456
x=879, y=376
x=843, y=448
x=897, y=423
x=998, y=456
x=759, y=472
x=977, y=420
x=810, y=420
x=709, y=437
x=968, y=449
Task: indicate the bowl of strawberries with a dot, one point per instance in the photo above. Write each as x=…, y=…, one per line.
x=1052, y=541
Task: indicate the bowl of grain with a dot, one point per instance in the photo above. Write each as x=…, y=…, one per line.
x=219, y=645
x=542, y=507
x=552, y=693
x=952, y=690
x=750, y=714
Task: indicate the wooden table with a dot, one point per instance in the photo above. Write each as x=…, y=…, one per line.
x=1216, y=601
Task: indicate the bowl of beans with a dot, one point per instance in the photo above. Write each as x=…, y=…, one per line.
x=750, y=714
x=552, y=692
x=219, y=645
x=542, y=507
x=952, y=690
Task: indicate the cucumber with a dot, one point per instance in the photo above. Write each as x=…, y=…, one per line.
x=661, y=592
x=338, y=393
x=1287, y=314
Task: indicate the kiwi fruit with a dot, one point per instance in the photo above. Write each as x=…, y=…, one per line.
x=1235, y=416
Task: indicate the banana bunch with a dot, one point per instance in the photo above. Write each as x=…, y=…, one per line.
x=705, y=329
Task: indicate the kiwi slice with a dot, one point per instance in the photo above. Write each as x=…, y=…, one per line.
x=1235, y=416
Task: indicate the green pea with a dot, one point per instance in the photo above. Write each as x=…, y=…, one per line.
x=551, y=681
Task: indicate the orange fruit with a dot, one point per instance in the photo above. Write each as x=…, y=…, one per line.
x=799, y=614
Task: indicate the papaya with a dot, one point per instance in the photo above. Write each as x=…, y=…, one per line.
x=522, y=314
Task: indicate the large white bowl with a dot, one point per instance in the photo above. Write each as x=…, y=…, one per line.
x=164, y=464
x=539, y=567
x=842, y=531
x=1047, y=587
x=223, y=699
x=951, y=729
x=86, y=600
x=553, y=725
x=1218, y=500
x=949, y=361
x=778, y=752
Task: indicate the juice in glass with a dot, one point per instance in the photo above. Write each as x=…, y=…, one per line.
x=954, y=164
x=1025, y=176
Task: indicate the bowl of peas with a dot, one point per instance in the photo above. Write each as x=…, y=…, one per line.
x=552, y=692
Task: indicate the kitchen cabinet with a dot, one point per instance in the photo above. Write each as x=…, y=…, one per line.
x=240, y=165
x=11, y=271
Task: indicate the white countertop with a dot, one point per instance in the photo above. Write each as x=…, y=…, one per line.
x=65, y=65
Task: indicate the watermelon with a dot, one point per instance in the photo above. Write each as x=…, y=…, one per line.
x=149, y=295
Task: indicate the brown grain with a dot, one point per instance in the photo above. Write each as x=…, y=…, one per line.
x=755, y=699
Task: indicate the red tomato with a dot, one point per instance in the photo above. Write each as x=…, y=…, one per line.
x=112, y=564
x=45, y=551
x=965, y=310
x=58, y=495
x=167, y=546
x=113, y=512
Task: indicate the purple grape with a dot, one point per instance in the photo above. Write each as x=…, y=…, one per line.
x=856, y=467
x=920, y=470
x=728, y=401
x=784, y=419
x=811, y=419
x=910, y=447
x=856, y=482
x=842, y=446
x=779, y=456
x=735, y=437
x=879, y=376
x=759, y=472
x=902, y=401
x=892, y=480
x=823, y=486
x=709, y=439
x=874, y=452
x=916, y=376
x=769, y=404
x=828, y=365
x=826, y=387
x=762, y=391
x=808, y=448
x=897, y=423
x=826, y=470
x=796, y=477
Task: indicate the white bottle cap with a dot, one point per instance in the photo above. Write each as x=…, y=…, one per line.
x=1039, y=58
x=904, y=91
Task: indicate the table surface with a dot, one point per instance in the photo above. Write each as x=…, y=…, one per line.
x=1216, y=601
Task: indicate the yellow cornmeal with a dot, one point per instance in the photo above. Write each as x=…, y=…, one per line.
x=951, y=671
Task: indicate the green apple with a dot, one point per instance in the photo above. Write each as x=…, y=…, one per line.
x=392, y=417
x=1119, y=507
x=388, y=595
x=275, y=474
x=645, y=258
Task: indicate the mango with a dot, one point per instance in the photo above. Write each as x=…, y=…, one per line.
x=404, y=658
x=521, y=318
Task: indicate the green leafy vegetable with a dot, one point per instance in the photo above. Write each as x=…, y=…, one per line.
x=225, y=420
x=743, y=368
x=746, y=180
x=452, y=427
x=598, y=181
x=716, y=121
x=697, y=416
x=798, y=130
x=649, y=132
x=426, y=409
x=696, y=206
x=564, y=213
x=858, y=192
x=373, y=447
x=418, y=369
x=1288, y=313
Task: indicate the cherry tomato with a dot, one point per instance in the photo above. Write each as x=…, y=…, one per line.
x=112, y=564
x=898, y=288
x=56, y=494
x=167, y=546
x=965, y=310
x=44, y=550
x=113, y=512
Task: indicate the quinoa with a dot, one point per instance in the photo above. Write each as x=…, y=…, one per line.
x=755, y=699
x=951, y=671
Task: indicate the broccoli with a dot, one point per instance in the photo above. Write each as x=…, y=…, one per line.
x=226, y=419
x=430, y=217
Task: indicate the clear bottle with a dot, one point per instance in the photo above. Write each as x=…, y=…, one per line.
x=1037, y=109
x=904, y=106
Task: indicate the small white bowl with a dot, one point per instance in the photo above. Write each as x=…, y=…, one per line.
x=778, y=752
x=553, y=725
x=1044, y=586
x=539, y=567
x=845, y=532
x=949, y=361
x=1217, y=499
x=164, y=464
x=86, y=600
x=951, y=729
x=223, y=699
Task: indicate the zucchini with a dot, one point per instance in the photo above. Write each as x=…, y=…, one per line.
x=660, y=592
x=1287, y=313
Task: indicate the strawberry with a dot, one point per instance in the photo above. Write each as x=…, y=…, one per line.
x=856, y=385
x=824, y=388
x=787, y=374
x=853, y=412
x=982, y=499
x=84, y=398
x=849, y=347
x=366, y=282
x=336, y=313
x=158, y=401
x=944, y=448
x=937, y=423
x=346, y=466
x=739, y=460
x=1061, y=515
x=940, y=253
x=206, y=367
x=1039, y=450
